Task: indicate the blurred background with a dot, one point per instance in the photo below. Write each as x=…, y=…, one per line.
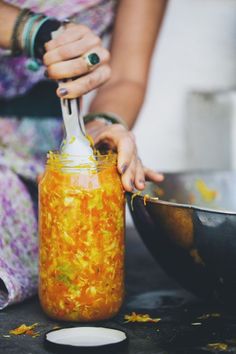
x=188, y=119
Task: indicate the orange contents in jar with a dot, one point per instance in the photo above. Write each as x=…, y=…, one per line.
x=81, y=226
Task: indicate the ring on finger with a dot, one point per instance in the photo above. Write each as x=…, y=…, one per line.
x=91, y=60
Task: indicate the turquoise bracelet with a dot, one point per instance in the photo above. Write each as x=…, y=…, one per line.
x=27, y=32
x=36, y=30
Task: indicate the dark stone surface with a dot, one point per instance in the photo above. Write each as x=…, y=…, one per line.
x=150, y=291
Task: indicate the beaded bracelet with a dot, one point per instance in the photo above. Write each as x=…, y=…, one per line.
x=108, y=117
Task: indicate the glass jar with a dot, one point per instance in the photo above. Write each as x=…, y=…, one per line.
x=81, y=242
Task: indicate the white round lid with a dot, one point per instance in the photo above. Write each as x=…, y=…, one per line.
x=85, y=338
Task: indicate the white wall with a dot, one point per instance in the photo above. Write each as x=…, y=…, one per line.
x=196, y=54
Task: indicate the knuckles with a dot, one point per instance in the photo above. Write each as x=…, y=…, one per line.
x=64, y=52
x=91, y=82
x=82, y=28
x=51, y=72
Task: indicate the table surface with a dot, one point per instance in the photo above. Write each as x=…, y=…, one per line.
x=149, y=290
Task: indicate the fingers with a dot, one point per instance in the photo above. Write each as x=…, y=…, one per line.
x=72, y=33
x=85, y=84
x=76, y=67
x=72, y=49
x=126, y=149
x=153, y=175
x=139, y=175
x=66, y=58
x=134, y=176
x=122, y=140
x=129, y=164
x=128, y=177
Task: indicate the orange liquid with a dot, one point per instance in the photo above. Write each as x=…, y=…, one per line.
x=81, y=258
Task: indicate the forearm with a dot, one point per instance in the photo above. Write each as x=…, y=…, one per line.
x=135, y=32
x=117, y=98
x=8, y=15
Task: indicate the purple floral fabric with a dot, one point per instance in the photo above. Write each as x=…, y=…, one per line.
x=23, y=146
x=18, y=245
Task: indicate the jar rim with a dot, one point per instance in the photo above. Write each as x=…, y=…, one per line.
x=58, y=160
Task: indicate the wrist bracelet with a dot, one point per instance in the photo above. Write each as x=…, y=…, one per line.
x=31, y=31
x=16, y=45
x=108, y=117
x=28, y=32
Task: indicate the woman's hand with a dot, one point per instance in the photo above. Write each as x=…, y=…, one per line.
x=133, y=174
x=66, y=57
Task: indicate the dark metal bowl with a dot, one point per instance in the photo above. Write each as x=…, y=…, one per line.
x=191, y=230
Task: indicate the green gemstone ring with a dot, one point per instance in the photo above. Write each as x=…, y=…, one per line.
x=92, y=59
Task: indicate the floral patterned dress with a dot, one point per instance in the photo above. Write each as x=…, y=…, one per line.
x=23, y=146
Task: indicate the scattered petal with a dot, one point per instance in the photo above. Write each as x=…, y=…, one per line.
x=72, y=140
x=24, y=329
x=207, y=194
x=218, y=346
x=209, y=315
x=132, y=199
x=147, y=197
x=134, y=317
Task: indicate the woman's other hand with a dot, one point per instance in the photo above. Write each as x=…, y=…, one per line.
x=133, y=173
x=68, y=56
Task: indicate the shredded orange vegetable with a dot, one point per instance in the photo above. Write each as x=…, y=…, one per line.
x=72, y=140
x=132, y=199
x=136, y=317
x=24, y=329
x=159, y=192
x=207, y=194
x=81, y=224
x=145, y=198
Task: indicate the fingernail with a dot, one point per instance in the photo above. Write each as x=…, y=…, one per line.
x=132, y=185
x=63, y=91
x=141, y=181
x=46, y=73
x=123, y=168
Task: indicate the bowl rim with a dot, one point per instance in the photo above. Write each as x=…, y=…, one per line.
x=156, y=200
